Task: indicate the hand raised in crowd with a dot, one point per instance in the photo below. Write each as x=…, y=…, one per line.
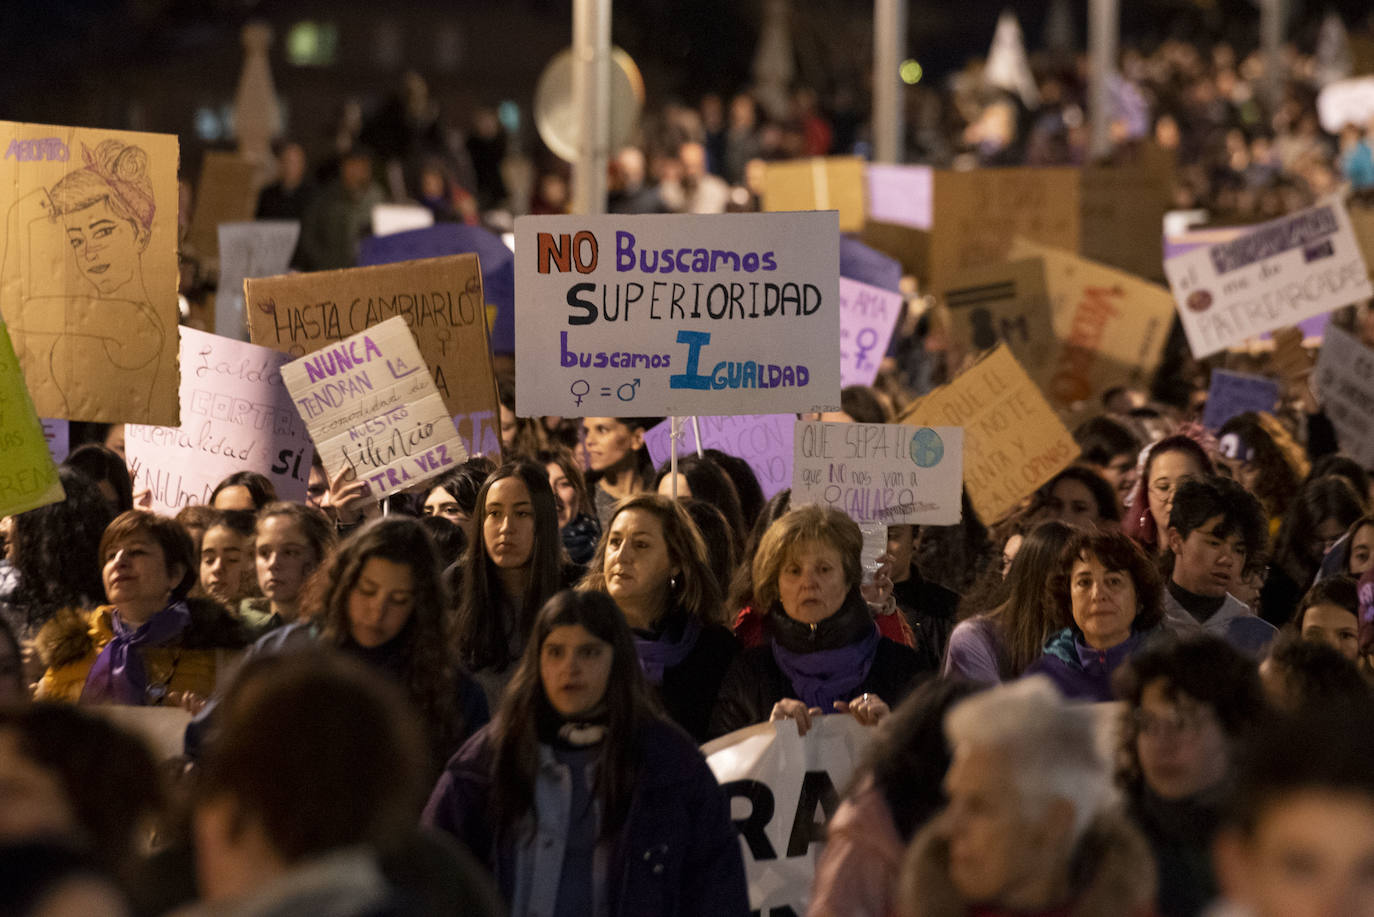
x=792, y=709
x=347, y=500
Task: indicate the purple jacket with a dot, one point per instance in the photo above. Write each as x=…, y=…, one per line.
x=1079, y=671
x=677, y=855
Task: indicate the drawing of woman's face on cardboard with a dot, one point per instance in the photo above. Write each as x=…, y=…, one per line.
x=107, y=210
x=108, y=249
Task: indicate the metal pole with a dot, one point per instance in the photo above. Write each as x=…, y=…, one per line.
x=1104, y=32
x=889, y=42
x=674, y=429
x=591, y=89
x=1272, y=16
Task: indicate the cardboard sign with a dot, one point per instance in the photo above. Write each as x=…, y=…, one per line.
x=1004, y=302
x=439, y=298
x=1111, y=327
x=58, y=433
x=1274, y=275
x=867, y=316
x=632, y=316
x=783, y=789
x=388, y=219
x=762, y=440
x=1013, y=440
x=28, y=477
x=88, y=282
x=1123, y=209
x=1235, y=393
x=227, y=192
x=1344, y=380
x=880, y=472
x=901, y=195
x=818, y=183
x=258, y=249
x=235, y=416
x=372, y=408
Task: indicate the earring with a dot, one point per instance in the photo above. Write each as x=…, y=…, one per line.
x=672, y=582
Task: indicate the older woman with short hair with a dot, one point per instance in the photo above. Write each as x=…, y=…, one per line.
x=823, y=652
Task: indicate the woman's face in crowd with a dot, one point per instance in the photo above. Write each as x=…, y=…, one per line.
x=226, y=568
x=106, y=247
x=1362, y=550
x=1103, y=601
x=508, y=523
x=811, y=583
x=33, y=802
x=1072, y=502
x=1334, y=626
x=565, y=492
x=135, y=572
x=114, y=439
x=1182, y=747
x=1165, y=472
x=440, y=502
x=316, y=488
x=1121, y=474
x=284, y=558
x=608, y=442
x=574, y=666
x=638, y=565
x=1009, y=552
x=235, y=496
x=381, y=601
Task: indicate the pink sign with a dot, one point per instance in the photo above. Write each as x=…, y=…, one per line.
x=867, y=317
x=762, y=440
x=901, y=194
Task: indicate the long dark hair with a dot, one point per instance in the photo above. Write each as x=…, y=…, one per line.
x=1028, y=614
x=482, y=634
x=57, y=551
x=1298, y=550
x=628, y=703
x=430, y=668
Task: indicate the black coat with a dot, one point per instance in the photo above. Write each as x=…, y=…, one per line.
x=690, y=689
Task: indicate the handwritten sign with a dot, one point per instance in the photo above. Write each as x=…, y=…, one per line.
x=901, y=195
x=867, y=316
x=1345, y=384
x=439, y=298
x=235, y=416
x=58, y=433
x=1004, y=302
x=762, y=440
x=880, y=472
x=1235, y=393
x=1013, y=440
x=819, y=183
x=1274, y=275
x=627, y=316
x=28, y=477
x=372, y=408
x=88, y=276
x=262, y=248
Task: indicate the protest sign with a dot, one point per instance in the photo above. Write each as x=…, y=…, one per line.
x=1275, y=274
x=1013, y=441
x=630, y=316
x=235, y=416
x=1235, y=393
x=1349, y=101
x=901, y=195
x=1004, y=302
x=262, y=248
x=818, y=183
x=372, y=408
x=227, y=192
x=1123, y=209
x=762, y=440
x=880, y=472
x=88, y=284
x=1345, y=384
x=1111, y=327
x=58, y=433
x=868, y=265
x=439, y=298
x=783, y=789
x=867, y=316
x=28, y=477
x=389, y=219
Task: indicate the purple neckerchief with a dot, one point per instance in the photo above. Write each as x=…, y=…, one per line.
x=822, y=677
x=118, y=676
x=657, y=656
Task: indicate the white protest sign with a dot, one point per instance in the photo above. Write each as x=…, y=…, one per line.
x=389, y=219
x=762, y=440
x=235, y=416
x=880, y=472
x=1346, y=102
x=626, y=316
x=1345, y=383
x=261, y=248
x=1274, y=275
x=867, y=317
x=783, y=789
x=372, y=407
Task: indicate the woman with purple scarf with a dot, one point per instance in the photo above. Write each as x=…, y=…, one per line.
x=823, y=653
x=151, y=645
x=652, y=562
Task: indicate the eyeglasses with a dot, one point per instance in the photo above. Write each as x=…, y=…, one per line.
x=1178, y=724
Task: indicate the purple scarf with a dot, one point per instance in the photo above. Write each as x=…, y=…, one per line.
x=822, y=677
x=657, y=656
x=118, y=676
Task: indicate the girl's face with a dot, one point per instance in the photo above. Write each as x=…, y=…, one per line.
x=284, y=558
x=1334, y=626
x=135, y=573
x=1183, y=749
x=381, y=602
x=1362, y=550
x=638, y=565
x=609, y=442
x=1072, y=501
x=508, y=523
x=1165, y=472
x=441, y=503
x=575, y=667
x=565, y=492
x=106, y=247
x=226, y=564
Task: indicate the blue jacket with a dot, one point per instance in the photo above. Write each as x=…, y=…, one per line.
x=677, y=855
x=1079, y=671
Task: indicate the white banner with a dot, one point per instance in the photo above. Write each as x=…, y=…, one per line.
x=783, y=790
x=1345, y=384
x=1274, y=275
x=629, y=316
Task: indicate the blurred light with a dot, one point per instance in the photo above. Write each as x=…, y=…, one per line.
x=910, y=72
x=312, y=44
x=508, y=113
x=207, y=125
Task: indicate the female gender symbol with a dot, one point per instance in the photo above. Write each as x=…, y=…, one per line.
x=586, y=387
